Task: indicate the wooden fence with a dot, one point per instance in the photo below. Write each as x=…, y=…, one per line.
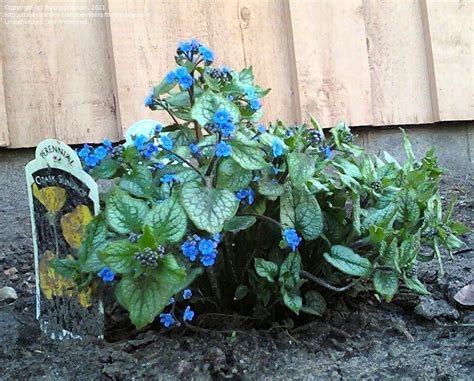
x=368, y=62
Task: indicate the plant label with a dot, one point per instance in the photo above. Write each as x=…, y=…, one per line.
x=63, y=199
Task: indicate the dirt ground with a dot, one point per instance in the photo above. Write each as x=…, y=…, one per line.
x=358, y=338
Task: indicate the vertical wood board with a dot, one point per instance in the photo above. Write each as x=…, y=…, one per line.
x=331, y=60
x=57, y=78
x=398, y=64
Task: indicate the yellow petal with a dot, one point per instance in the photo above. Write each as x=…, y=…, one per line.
x=52, y=198
x=51, y=283
x=74, y=225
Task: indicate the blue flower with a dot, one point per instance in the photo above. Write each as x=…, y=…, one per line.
x=221, y=116
x=185, y=47
x=292, y=238
x=206, y=247
x=171, y=301
x=208, y=260
x=106, y=274
x=188, y=314
x=166, y=142
x=195, y=44
x=186, y=81
x=328, y=152
x=190, y=250
x=149, y=100
x=223, y=149
x=150, y=150
x=187, y=294
x=227, y=129
x=277, y=148
x=107, y=143
x=91, y=161
x=159, y=165
x=276, y=170
x=101, y=152
x=167, y=320
x=230, y=97
x=255, y=104
x=181, y=72
x=261, y=129
x=289, y=133
x=168, y=178
x=139, y=141
x=170, y=77
x=256, y=179
x=207, y=54
x=246, y=194
x=225, y=70
x=84, y=151
x=194, y=148
x=158, y=128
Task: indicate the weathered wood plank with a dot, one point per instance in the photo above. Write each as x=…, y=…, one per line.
x=57, y=77
x=398, y=63
x=4, y=134
x=331, y=60
x=449, y=34
x=242, y=33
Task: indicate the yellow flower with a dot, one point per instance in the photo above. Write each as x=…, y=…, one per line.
x=74, y=225
x=51, y=283
x=53, y=198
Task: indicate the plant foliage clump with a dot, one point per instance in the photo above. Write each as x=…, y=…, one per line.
x=218, y=210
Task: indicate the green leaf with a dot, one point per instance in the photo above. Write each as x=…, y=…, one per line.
x=94, y=241
x=386, y=284
x=208, y=208
x=314, y=303
x=68, y=268
x=345, y=260
x=408, y=207
x=248, y=154
x=163, y=87
x=241, y=292
x=168, y=220
x=368, y=170
x=119, y=256
x=181, y=99
x=106, y=169
x=301, y=167
x=376, y=234
x=270, y=188
x=459, y=228
x=238, y=223
x=266, y=269
x=356, y=213
x=287, y=207
x=308, y=216
x=379, y=217
x=232, y=176
x=147, y=295
x=413, y=283
x=452, y=242
x=292, y=300
x=408, y=148
x=138, y=183
x=208, y=103
x=290, y=271
x=125, y=214
x=147, y=239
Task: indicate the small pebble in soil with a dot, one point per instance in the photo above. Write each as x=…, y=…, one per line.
x=430, y=308
x=8, y=294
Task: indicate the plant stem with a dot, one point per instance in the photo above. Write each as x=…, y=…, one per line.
x=184, y=161
x=166, y=108
x=323, y=283
x=263, y=217
x=214, y=284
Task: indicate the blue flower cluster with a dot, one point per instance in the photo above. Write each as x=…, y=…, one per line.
x=169, y=178
x=246, y=196
x=222, y=120
x=189, y=48
x=206, y=249
x=292, y=238
x=195, y=150
x=106, y=274
x=149, y=149
x=168, y=319
x=93, y=156
x=254, y=101
x=277, y=147
x=181, y=75
x=223, y=149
